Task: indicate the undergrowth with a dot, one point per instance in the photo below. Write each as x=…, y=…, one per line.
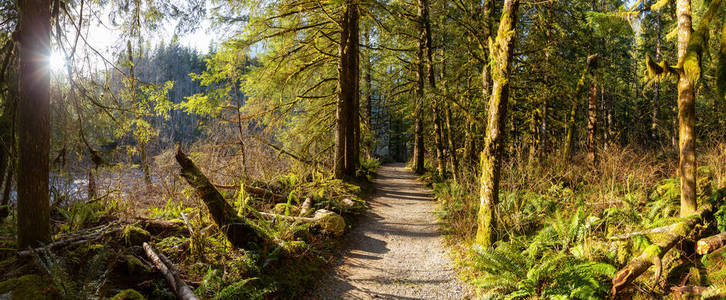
x=115, y=263
x=559, y=224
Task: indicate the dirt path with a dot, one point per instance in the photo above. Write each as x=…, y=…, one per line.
x=394, y=251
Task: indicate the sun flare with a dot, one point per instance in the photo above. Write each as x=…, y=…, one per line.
x=56, y=61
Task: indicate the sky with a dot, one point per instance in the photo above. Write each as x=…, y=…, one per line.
x=103, y=36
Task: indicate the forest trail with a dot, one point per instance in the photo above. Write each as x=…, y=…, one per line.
x=395, y=250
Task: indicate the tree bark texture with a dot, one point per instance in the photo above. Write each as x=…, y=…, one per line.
x=347, y=119
x=34, y=124
x=686, y=115
x=491, y=156
x=239, y=232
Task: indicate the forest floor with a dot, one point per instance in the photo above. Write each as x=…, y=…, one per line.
x=395, y=249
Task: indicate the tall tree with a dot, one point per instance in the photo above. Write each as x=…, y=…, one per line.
x=686, y=113
x=34, y=123
x=491, y=156
x=347, y=116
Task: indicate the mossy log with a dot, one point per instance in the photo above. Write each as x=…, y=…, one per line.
x=711, y=243
x=75, y=239
x=259, y=192
x=238, y=230
x=328, y=221
x=171, y=274
x=653, y=253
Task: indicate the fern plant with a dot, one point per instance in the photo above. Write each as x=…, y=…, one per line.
x=511, y=272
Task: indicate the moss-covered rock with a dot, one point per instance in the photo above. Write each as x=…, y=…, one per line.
x=129, y=294
x=280, y=209
x=330, y=222
x=134, y=235
x=28, y=287
x=135, y=266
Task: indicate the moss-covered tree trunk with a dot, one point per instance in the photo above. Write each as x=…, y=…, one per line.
x=34, y=124
x=656, y=86
x=570, y=128
x=491, y=156
x=686, y=114
x=347, y=120
x=592, y=122
x=239, y=232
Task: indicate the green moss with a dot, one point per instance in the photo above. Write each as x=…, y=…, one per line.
x=330, y=222
x=652, y=251
x=129, y=294
x=28, y=287
x=281, y=207
x=135, y=265
x=134, y=235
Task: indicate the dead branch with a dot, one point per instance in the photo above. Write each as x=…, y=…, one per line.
x=170, y=273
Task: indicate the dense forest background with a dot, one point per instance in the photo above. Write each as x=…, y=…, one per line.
x=572, y=146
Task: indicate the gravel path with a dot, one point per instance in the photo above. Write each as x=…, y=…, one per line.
x=395, y=250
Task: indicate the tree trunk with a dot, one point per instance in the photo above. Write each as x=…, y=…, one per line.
x=239, y=232
x=452, y=146
x=491, y=156
x=656, y=85
x=567, y=147
x=347, y=121
x=711, y=243
x=418, y=146
x=435, y=105
x=592, y=123
x=367, y=107
x=34, y=124
x=686, y=115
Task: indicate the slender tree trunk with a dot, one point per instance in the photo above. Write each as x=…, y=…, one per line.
x=686, y=115
x=567, y=147
x=137, y=107
x=367, y=78
x=656, y=85
x=491, y=156
x=347, y=121
x=435, y=105
x=452, y=145
x=34, y=124
x=418, y=147
x=592, y=122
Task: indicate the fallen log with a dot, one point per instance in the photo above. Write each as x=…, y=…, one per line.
x=73, y=240
x=328, y=221
x=689, y=290
x=652, y=254
x=239, y=232
x=259, y=192
x=171, y=274
x=657, y=230
x=711, y=243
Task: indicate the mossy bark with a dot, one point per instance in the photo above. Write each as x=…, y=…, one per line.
x=239, y=232
x=686, y=114
x=653, y=253
x=592, y=123
x=491, y=157
x=34, y=124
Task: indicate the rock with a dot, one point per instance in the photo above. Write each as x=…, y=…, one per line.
x=330, y=222
x=129, y=294
x=134, y=235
